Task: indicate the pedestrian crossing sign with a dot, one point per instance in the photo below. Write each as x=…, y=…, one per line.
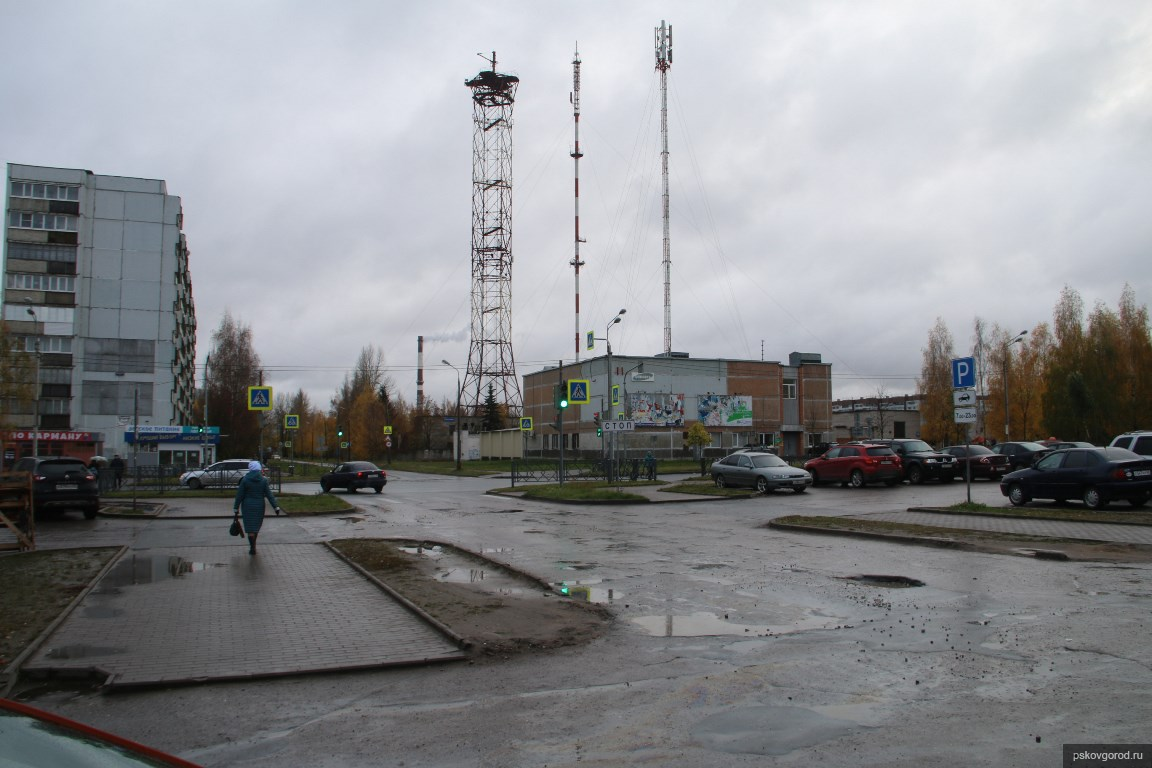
x=259, y=398
x=591, y=340
x=526, y=424
x=578, y=391
x=291, y=421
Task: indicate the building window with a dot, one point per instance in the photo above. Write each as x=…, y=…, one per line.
x=119, y=355
x=51, y=283
x=54, y=221
x=767, y=438
x=60, y=344
x=37, y=252
x=55, y=407
x=788, y=389
x=42, y=191
x=117, y=398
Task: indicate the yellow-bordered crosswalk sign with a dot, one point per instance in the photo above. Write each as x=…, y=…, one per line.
x=578, y=391
x=259, y=398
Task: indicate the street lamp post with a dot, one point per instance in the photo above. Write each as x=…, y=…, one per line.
x=458, y=395
x=36, y=387
x=611, y=414
x=1007, y=353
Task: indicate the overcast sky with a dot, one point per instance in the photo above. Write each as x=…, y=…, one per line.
x=842, y=172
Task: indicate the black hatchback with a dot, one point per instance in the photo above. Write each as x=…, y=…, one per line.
x=60, y=483
x=354, y=474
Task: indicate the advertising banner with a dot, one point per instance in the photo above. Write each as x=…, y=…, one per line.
x=656, y=409
x=725, y=410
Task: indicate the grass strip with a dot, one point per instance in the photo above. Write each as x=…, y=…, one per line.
x=38, y=586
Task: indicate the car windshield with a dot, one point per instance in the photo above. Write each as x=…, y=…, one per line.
x=918, y=446
x=768, y=460
x=1032, y=446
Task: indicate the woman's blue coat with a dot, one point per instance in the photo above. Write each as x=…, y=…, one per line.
x=250, y=495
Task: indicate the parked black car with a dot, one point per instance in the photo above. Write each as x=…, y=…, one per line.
x=1097, y=476
x=1021, y=454
x=978, y=461
x=921, y=461
x=60, y=483
x=354, y=474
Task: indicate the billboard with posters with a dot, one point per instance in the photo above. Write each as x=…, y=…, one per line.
x=725, y=410
x=656, y=409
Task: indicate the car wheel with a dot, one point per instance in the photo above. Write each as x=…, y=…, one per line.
x=195, y=484
x=815, y=477
x=1138, y=502
x=761, y=485
x=378, y=488
x=1017, y=496
x=719, y=481
x=90, y=512
x=856, y=479
x=1093, y=499
x=324, y=487
x=351, y=489
x=915, y=474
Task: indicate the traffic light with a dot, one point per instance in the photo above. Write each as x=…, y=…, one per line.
x=596, y=421
x=560, y=396
x=339, y=431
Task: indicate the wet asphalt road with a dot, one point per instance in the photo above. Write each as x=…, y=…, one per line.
x=736, y=645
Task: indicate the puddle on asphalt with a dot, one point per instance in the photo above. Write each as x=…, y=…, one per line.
x=459, y=567
x=893, y=582
x=768, y=730
x=586, y=590
x=703, y=624
x=146, y=569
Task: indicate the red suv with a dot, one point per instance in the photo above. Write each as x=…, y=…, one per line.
x=856, y=464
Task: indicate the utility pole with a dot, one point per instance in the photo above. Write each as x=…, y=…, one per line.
x=204, y=433
x=576, y=155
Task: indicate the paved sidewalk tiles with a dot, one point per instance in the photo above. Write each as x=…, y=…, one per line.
x=1061, y=529
x=183, y=614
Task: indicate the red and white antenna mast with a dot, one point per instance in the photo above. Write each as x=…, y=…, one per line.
x=663, y=64
x=576, y=155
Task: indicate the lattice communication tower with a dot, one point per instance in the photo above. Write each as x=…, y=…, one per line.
x=490, y=359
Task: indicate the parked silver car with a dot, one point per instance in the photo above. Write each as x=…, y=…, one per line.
x=762, y=471
x=218, y=475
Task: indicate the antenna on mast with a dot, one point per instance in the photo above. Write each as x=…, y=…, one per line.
x=576, y=155
x=663, y=64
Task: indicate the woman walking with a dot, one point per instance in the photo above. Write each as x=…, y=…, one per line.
x=250, y=495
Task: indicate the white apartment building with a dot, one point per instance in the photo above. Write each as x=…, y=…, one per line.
x=96, y=284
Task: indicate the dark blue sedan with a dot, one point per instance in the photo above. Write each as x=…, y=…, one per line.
x=1097, y=476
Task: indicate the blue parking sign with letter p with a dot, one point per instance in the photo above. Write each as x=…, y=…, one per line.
x=963, y=372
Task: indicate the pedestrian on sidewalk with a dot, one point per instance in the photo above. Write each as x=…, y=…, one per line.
x=250, y=495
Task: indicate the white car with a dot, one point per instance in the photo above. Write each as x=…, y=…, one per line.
x=219, y=475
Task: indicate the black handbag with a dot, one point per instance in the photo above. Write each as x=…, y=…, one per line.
x=235, y=529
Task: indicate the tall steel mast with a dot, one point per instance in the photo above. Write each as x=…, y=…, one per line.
x=490, y=359
x=663, y=64
x=576, y=155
